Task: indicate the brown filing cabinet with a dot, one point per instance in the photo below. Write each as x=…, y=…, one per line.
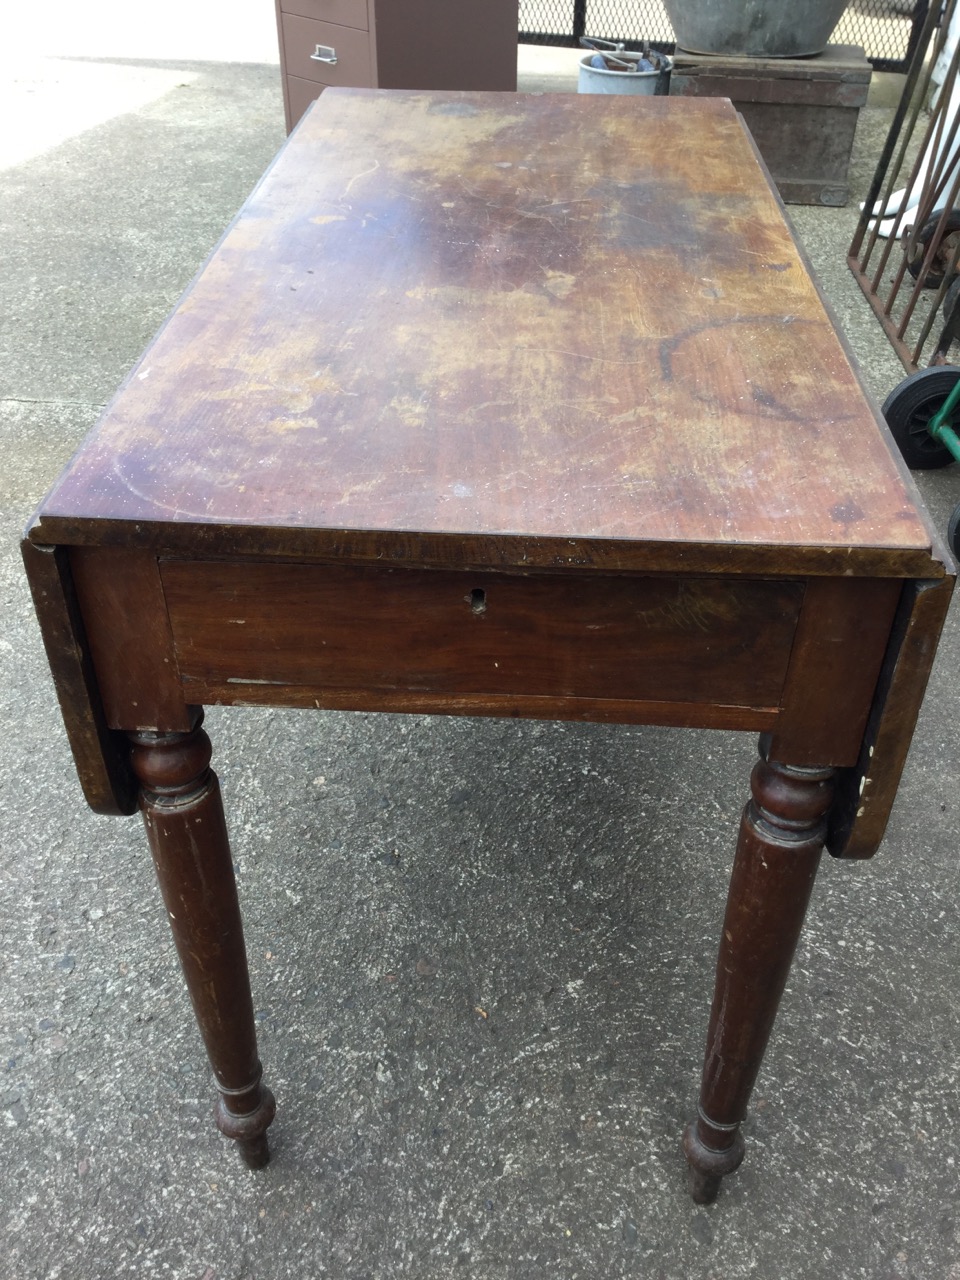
x=394, y=44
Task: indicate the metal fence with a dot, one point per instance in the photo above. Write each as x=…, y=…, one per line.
x=886, y=29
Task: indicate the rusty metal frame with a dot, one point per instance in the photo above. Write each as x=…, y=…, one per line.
x=882, y=265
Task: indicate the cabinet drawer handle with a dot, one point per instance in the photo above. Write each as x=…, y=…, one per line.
x=325, y=53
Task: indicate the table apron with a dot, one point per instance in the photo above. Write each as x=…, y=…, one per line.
x=433, y=640
x=798, y=657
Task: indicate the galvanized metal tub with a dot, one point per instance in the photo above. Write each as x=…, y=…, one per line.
x=755, y=28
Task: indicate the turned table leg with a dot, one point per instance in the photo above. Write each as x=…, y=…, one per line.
x=781, y=838
x=183, y=813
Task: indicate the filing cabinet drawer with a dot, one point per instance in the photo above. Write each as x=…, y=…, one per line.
x=344, y=52
x=344, y=13
x=300, y=94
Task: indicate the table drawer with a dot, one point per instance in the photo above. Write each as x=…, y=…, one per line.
x=345, y=13
x=345, y=52
x=437, y=633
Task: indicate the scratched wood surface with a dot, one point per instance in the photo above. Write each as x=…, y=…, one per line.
x=544, y=317
x=568, y=636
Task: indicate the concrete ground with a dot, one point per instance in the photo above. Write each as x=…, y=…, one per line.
x=481, y=951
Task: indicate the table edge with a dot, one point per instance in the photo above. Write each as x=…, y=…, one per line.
x=490, y=551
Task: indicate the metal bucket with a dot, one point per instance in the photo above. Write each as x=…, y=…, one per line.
x=755, y=28
x=604, y=80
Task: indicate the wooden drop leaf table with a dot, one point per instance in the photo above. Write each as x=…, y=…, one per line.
x=506, y=406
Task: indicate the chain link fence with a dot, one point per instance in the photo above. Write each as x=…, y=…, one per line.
x=887, y=30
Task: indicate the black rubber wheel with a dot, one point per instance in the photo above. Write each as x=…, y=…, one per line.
x=951, y=298
x=946, y=249
x=908, y=409
x=953, y=532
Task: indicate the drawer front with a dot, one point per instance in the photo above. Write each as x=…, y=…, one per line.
x=329, y=628
x=326, y=53
x=300, y=94
x=345, y=13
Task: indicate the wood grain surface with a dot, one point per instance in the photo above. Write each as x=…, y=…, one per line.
x=383, y=631
x=510, y=319
x=102, y=756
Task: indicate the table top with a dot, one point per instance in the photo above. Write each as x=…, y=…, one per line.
x=545, y=328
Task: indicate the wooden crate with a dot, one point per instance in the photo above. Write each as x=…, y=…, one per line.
x=802, y=112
